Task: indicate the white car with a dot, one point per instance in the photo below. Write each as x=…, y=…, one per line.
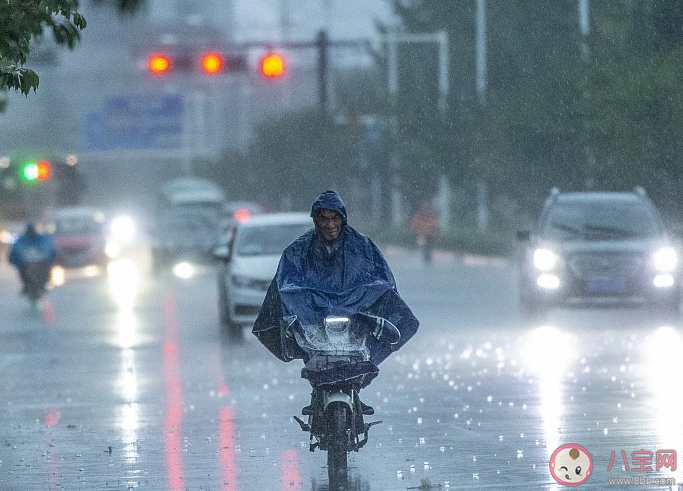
x=249, y=260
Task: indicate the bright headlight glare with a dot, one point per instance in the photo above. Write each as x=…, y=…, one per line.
x=123, y=228
x=184, y=270
x=112, y=249
x=663, y=281
x=665, y=259
x=545, y=259
x=548, y=281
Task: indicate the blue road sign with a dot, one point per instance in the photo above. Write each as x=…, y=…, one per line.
x=135, y=122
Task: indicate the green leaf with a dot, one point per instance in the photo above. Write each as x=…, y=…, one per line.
x=29, y=80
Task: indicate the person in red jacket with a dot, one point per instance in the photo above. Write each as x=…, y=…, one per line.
x=425, y=223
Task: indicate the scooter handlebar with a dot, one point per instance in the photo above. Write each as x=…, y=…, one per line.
x=385, y=331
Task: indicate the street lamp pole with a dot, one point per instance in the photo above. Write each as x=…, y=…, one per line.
x=584, y=27
x=481, y=51
x=440, y=38
x=393, y=39
x=482, y=188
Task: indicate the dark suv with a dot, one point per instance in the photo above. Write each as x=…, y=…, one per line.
x=599, y=248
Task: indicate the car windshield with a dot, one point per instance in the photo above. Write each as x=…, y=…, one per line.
x=600, y=221
x=192, y=218
x=267, y=239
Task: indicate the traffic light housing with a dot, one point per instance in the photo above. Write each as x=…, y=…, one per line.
x=273, y=65
x=182, y=59
x=40, y=170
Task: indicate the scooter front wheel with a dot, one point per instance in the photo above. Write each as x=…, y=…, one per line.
x=337, y=435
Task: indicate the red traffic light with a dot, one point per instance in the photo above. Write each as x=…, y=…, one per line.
x=273, y=65
x=158, y=64
x=212, y=63
x=44, y=170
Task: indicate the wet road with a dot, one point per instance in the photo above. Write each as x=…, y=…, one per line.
x=122, y=382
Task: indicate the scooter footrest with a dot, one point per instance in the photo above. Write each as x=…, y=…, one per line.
x=369, y=425
x=304, y=426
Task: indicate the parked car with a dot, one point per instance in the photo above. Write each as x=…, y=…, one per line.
x=599, y=248
x=249, y=259
x=80, y=235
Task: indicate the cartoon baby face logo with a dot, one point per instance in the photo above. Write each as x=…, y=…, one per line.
x=571, y=465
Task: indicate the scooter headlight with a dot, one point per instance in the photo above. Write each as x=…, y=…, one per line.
x=336, y=324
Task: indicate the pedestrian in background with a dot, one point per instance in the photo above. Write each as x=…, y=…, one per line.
x=425, y=223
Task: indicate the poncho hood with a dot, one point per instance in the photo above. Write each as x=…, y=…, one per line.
x=329, y=200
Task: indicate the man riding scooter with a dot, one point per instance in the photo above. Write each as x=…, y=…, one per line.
x=332, y=270
x=33, y=254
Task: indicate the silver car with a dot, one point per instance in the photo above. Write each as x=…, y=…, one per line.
x=248, y=261
x=600, y=248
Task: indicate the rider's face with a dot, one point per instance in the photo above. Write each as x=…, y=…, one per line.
x=329, y=224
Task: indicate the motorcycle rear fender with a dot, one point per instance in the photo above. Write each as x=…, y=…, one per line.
x=343, y=397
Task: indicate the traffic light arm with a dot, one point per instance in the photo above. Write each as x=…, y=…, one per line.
x=322, y=43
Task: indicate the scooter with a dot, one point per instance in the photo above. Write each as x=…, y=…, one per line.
x=36, y=276
x=337, y=366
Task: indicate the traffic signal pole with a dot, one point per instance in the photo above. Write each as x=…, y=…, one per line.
x=322, y=45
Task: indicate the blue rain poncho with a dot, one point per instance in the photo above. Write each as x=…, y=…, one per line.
x=32, y=246
x=313, y=282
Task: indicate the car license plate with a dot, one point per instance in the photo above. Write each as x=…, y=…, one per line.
x=606, y=285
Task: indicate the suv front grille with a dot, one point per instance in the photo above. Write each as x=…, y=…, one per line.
x=624, y=265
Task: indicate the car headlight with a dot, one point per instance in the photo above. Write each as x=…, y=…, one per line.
x=184, y=270
x=665, y=259
x=545, y=259
x=6, y=237
x=122, y=228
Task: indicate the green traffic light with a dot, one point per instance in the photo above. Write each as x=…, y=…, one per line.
x=30, y=171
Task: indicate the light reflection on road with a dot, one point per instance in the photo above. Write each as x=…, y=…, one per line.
x=52, y=417
x=123, y=281
x=226, y=452
x=548, y=352
x=664, y=378
x=174, y=396
x=290, y=480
